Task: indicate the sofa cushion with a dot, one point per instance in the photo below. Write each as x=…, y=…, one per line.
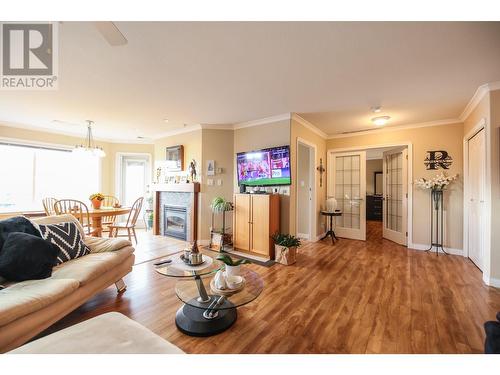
x=101, y=245
x=16, y=224
x=27, y=257
x=67, y=238
x=89, y=267
x=26, y=297
x=111, y=333
x=55, y=219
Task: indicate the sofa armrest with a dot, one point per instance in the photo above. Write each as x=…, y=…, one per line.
x=102, y=245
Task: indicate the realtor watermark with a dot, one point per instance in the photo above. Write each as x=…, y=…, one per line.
x=29, y=56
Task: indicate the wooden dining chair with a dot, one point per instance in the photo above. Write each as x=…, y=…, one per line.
x=129, y=225
x=109, y=201
x=48, y=206
x=79, y=210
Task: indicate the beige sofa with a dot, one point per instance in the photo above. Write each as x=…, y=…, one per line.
x=29, y=307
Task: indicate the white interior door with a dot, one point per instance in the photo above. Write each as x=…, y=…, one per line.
x=475, y=191
x=349, y=189
x=395, y=207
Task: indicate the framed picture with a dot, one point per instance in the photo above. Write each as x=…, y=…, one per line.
x=210, y=167
x=175, y=158
x=216, y=241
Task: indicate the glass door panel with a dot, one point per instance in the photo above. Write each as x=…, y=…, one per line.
x=349, y=189
x=395, y=195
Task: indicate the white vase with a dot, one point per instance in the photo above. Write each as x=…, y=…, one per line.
x=233, y=270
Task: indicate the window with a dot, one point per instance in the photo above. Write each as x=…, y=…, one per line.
x=30, y=173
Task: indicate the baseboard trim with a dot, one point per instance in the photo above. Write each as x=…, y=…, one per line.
x=303, y=236
x=449, y=250
x=491, y=281
x=320, y=236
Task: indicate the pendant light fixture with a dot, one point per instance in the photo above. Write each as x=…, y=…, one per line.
x=89, y=147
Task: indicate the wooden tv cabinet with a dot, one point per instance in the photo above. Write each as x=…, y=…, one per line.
x=256, y=218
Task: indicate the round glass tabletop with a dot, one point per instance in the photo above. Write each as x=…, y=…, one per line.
x=188, y=292
x=177, y=267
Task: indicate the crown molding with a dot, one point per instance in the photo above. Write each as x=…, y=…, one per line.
x=79, y=135
x=397, y=127
x=217, y=127
x=477, y=97
x=309, y=126
x=170, y=133
x=262, y=121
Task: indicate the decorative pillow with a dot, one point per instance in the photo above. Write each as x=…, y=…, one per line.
x=27, y=257
x=67, y=238
x=16, y=224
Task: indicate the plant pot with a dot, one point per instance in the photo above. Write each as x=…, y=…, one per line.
x=96, y=203
x=233, y=270
x=285, y=255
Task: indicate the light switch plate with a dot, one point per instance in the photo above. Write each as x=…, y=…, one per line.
x=219, y=182
x=210, y=182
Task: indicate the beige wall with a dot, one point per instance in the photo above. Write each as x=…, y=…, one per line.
x=263, y=136
x=191, y=142
x=300, y=131
x=108, y=163
x=445, y=137
x=217, y=145
x=372, y=166
x=495, y=186
x=303, y=184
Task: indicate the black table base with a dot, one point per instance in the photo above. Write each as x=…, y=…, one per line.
x=190, y=320
x=330, y=231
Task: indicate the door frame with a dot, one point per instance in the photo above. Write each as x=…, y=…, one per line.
x=313, y=215
x=409, y=146
x=481, y=125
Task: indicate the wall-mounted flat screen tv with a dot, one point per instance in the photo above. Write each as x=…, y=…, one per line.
x=267, y=167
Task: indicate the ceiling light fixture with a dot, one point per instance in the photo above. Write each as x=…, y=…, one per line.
x=165, y=120
x=376, y=109
x=381, y=120
x=89, y=147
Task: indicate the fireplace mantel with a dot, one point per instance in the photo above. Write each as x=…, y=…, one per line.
x=180, y=188
x=193, y=189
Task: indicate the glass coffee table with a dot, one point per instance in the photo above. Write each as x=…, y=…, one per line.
x=207, y=312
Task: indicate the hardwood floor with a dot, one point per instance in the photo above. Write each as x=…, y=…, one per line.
x=353, y=297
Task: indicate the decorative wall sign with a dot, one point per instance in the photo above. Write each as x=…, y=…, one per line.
x=175, y=158
x=438, y=159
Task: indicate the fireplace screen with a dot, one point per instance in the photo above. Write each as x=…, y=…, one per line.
x=175, y=221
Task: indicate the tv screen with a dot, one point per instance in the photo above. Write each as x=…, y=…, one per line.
x=270, y=166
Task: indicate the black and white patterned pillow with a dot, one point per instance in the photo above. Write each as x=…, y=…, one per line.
x=67, y=238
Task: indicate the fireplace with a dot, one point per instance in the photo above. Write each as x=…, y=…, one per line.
x=175, y=221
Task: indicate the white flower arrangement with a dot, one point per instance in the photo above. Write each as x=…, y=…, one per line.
x=440, y=182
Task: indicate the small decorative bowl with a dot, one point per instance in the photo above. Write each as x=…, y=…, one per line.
x=234, y=282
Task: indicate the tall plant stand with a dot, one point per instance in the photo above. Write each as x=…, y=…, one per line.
x=437, y=221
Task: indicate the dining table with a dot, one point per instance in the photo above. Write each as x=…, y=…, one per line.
x=96, y=215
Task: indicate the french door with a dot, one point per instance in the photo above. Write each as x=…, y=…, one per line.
x=395, y=207
x=475, y=197
x=349, y=189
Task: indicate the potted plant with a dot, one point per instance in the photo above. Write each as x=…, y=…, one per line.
x=150, y=220
x=285, y=246
x=96, y=200
x=232, y=266
x=219, y=204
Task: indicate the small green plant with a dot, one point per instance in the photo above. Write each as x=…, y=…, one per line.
x=98, y=196
x=286, y=240
x=227, y=260
x=219, y=204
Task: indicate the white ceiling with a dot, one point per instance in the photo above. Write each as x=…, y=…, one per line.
x=331, y=73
